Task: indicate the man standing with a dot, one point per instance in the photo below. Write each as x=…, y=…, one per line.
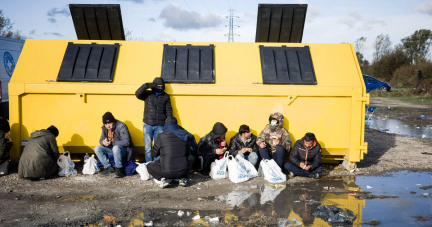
x=157, y=108
x=173, y=146
x=39, y=158
x=420, y=77
x=115, y=140
x=213, y=145
x=274, y=140
x=244, y=144
x=305, y=158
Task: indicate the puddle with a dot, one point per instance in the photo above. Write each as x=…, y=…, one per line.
x=259, y=205
x=399, y=127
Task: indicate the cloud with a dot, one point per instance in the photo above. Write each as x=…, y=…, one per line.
x=370, y=23
x=352, y=19
x=52, y=20
x=180, y=19
x=32, y=32
x=53, y=33
x=54, y=12
x=312, y=13
x=424, y=8
x=152, y=19
x=139, y=1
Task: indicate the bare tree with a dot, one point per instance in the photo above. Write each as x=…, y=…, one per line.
x=382, y=47
x=6, y=28
x=359, y=43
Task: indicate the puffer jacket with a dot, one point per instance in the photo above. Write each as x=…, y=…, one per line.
x=156, y=108
x=207, y=144
x=39, y=158
x=236, y=144
x=275, y=130
x=311, y=156
x=121, y=138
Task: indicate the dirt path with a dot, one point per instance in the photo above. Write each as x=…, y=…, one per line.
x=392, y=102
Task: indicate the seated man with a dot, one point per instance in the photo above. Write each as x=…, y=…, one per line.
x=5, y=146
x=116, y=141
x=244, y=144
x=213, y=145
x=305, y=158
x=274, y=140
x=173, y=147
x=39, y=158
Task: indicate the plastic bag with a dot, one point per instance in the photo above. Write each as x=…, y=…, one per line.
x=142, y=171
x=66, y=165
x=90, y=166
x=269, y=194
x=271, y=171
x=218, y=168
x=236, y=172
x=235, y=198
x=250, y=169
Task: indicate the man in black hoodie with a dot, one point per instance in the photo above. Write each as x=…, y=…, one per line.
x=213, y=145
x=305, y=158
x=157, y=108
x=173, y=145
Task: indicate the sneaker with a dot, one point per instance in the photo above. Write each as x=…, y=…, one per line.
x=108, y=171
x=164, y=183
x=291, y=174
x=316, y=175
x=183, y=182
x=118, y=173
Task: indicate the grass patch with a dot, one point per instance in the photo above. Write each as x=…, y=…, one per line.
x=406, y=95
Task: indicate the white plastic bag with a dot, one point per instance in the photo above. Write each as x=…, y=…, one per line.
x=271, y=171
x=269, y=194
x=236, y=172
x=250, y=169
x=218, y=168
x=66, y=165
x=142, y=171
x=90, y=166
x=235, y=198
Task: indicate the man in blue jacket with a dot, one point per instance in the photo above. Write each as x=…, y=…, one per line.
x=116, y=141
x=305, y=158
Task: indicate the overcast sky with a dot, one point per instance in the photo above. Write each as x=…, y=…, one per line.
x=332, y=21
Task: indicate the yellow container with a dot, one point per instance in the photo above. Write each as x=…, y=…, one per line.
x=333, y=109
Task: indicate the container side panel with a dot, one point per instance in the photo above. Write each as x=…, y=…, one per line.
x=275, y=25
x=306, y=67
x=182, y=64
x=287, y=17
x=269, y=75
x=194, y=64
x=116, y=26
x=94, y=62
x=293, y=66
x=263, y=24
x=107, y=63
x=102, y=22
x=169, y=63
x=281, y=66
x=206, y=66
x=92, y=26
x=298, y=25
x=68, y=64
x=79, y=22
x=81, y=63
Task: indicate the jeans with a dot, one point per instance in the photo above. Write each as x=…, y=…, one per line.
x=301, y=172
x=150, y=132
x=278, y=155
x=251, y=157
x=118, y=152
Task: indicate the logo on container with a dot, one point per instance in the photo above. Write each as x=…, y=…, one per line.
x=9, y=63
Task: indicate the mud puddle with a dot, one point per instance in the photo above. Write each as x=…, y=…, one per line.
x=397, y=199
x=399, y=127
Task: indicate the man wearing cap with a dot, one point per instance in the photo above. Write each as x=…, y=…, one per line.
x=174, y=146
x=157, y=107
x=115, y=140
x=39, y=158
x=213, y=145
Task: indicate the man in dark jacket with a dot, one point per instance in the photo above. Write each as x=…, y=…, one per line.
x=213, y=145
x=39, y=158
x=173, y=147
x=115, y=140
x=420, y=77
x=244, y=144
x=305, y=158
x=157, y=108
x=5, y=146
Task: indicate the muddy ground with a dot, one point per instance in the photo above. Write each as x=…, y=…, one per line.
x=85, y=199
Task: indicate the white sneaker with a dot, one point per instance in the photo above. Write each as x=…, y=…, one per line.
x=164, y=182
x=183, y=182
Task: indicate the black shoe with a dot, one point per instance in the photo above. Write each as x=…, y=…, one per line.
x=183, y=182
x=316, y=175
x=118, y=173
x=108, y=171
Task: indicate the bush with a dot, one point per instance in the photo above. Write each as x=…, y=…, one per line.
x=388, y=64
x=407, y=76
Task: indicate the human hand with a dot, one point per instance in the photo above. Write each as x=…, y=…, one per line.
x=243, y=150
x=106, y=143
x=262, y=145
x=219, y=151
x=302, y=165
x=308, y=167
x=223, y=143
x=276, y=141
x=249, y=150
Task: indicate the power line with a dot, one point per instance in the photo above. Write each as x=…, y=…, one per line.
x=231, y=26
x=194, y=13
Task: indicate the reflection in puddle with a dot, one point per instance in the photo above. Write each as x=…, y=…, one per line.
x=395, y=126
x=259, y=205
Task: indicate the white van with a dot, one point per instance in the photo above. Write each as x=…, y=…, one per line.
x=10, y=50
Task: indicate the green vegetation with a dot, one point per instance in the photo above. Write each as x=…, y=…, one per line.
x=419, y=96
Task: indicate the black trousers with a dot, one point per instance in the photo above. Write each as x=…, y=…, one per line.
x=154, y=169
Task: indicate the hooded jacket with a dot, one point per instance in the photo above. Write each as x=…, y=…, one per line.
x=121, y=137
x=156, y=108
x=207, y=144
x=236, y=144
x=275, y=130
x=39, y=158
x=311, y=156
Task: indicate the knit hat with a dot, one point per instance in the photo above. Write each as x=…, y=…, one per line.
x=108, y=118
x=53, y=130
x=171, y=120
x=4, y=125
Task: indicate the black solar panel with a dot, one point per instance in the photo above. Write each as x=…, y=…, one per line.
x=97, y=22
x=283, y=23
x=88, y=62
x=287, y=65
x=188, y=64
